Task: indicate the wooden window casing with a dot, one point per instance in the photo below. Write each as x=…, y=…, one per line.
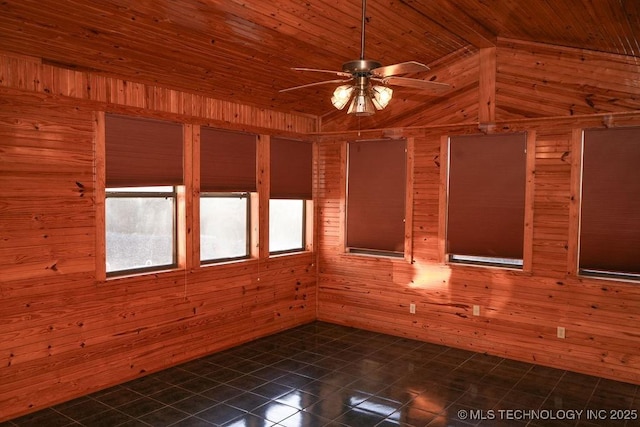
x=141, y=152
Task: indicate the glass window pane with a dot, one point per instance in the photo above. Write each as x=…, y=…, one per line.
x=286, y=223
x=140, y=232
x=223, y=227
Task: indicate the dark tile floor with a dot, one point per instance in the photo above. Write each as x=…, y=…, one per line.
x=327, y=375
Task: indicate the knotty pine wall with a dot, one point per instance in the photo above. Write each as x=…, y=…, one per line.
x=520, y=310
x=63, y=332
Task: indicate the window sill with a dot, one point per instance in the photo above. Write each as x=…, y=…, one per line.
x=289, y=253
x=516, y=270
x=491, y=262
x=113, y=277
x=224, y=261
x=611, y=277
x=400, y=258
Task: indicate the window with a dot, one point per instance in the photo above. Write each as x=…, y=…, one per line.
x=228, y=177
x=140, y=228
x=376, y=197
x=291, y=191
x=286, y=225
x=224, y=226
x=610, y=203
x=486, y=199
x=143, y=169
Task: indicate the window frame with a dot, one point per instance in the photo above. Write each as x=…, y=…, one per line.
x=173, y=195
x=248, y=226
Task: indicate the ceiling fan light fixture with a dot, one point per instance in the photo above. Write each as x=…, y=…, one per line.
x=364, y=96
x=341, y=96
x=361, y=104
x=381, y=96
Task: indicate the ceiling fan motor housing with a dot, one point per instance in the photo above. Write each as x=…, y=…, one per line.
x=360, y=66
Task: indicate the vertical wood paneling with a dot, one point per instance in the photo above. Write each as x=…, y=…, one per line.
x=99, y=197
x=408, y=203
x=192, y=138
x=264, y=189
x=442, y=192
x=574, y=204
x=529, y=211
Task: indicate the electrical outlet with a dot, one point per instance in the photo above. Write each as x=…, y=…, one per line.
x=412, y=308
x=561, y=332
x=476, y=310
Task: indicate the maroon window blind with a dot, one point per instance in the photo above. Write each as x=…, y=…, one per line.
x=227, y=161
x=486, y=195
x=376, y=187
x=291, y=169
x=610, y=217
x=142, y=152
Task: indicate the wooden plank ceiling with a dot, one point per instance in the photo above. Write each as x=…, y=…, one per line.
x=243, y=50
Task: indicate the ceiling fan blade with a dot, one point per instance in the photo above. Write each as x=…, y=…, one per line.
x=315, y=84
x=435, y=88
x=315, y=70
x=400, y=68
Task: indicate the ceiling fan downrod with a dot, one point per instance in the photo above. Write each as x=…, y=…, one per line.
x=362, y=32
x=361, y=67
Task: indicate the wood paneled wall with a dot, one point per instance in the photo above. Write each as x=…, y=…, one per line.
x=520, y=310
x=63, y=333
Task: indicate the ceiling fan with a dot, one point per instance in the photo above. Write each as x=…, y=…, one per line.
x=367, y=81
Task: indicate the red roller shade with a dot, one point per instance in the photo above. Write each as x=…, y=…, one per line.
x=610, y=217
x=142, y=152
x=487, y=176
x=291, y=169
x=376, y=189
x=227, y=161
